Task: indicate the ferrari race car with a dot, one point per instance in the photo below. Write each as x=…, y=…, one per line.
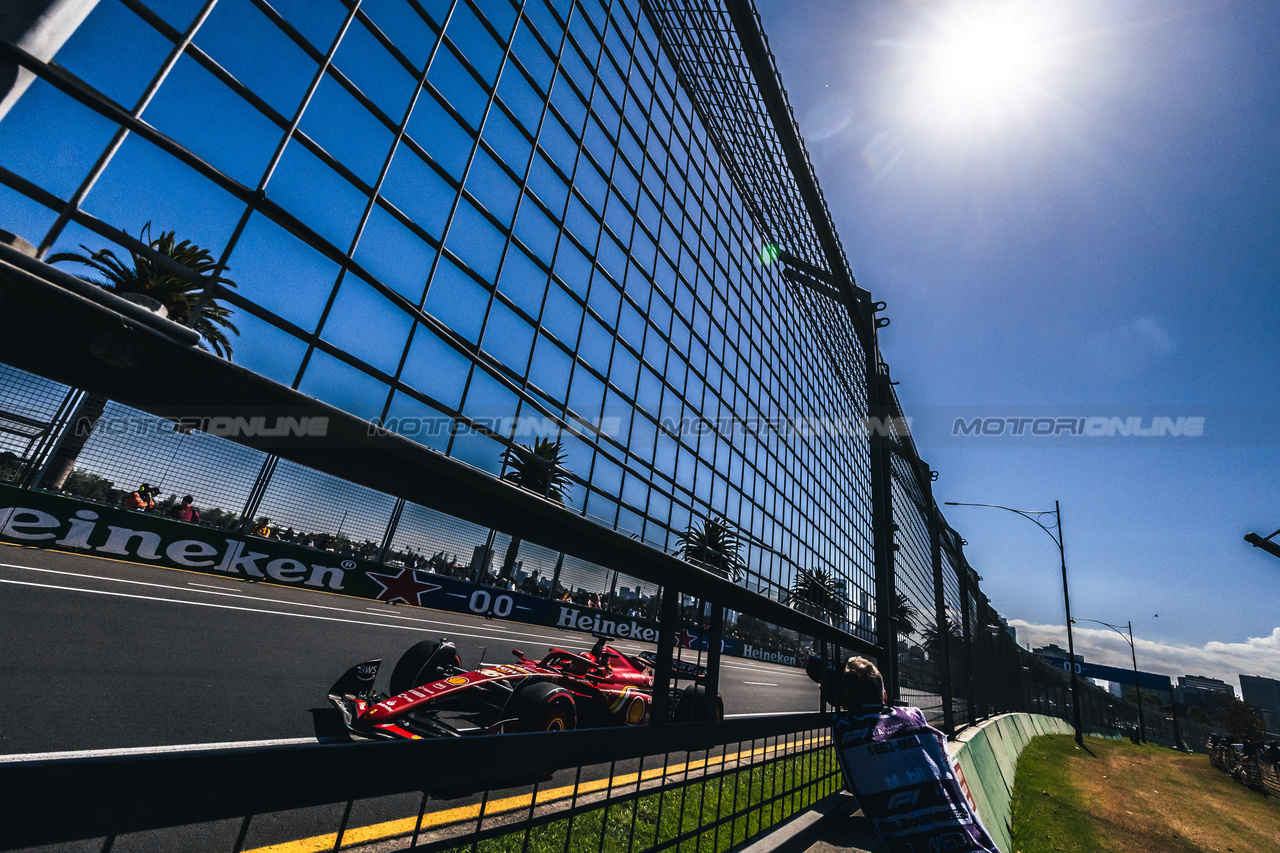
x=433, y=696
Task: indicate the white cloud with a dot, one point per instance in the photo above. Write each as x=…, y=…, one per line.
x=1227, y=661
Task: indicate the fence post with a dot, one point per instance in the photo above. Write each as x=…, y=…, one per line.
x=392, y=523
x=670, y=619
x=941, y=620
x=882, y=528
x=59, y=428
x=259, y=490
x=715, y=636
x=967, y=626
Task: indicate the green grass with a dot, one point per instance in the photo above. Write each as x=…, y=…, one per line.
x=716, y=813
x=1049, y=814
x=1116, y=797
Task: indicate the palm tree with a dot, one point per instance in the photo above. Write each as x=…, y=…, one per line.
x=539, y=469
x=713, y=545
x=904, y=615
x=932, y=636
x=814, y=592
x=178, y=295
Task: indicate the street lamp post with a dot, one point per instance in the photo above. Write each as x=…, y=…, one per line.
x=1142, y=724
x=1034, y=516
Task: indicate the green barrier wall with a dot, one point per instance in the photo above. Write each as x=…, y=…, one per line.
x=988, y=758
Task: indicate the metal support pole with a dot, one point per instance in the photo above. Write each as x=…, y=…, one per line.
x=392, y=523
x=258, y=491
x=941, y=618
x=714, y=640
x=1142, y=721
x=669, y=622
x=59, y=428
x=1071, y=648
x=967, y=626
x=555, y=576
x=882, y=524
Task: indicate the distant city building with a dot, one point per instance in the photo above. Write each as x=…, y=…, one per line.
x=481, y=557
x=1055, y=654
x=1264, y=695
x=1202, y=692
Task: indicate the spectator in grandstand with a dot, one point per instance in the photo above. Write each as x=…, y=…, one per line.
x=897, y=766
x=185, y=511
x=143, y=499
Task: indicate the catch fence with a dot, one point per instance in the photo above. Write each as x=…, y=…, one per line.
x=959, y=664
x=596, y=216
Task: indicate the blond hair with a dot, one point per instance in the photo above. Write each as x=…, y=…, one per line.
x=861, y=683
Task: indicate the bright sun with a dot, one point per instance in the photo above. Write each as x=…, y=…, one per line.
x=983, y=62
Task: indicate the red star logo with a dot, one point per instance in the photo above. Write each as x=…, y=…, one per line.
x=686, y=639
x=404, y=586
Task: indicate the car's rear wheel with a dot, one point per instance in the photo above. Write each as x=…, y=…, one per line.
x=542, y=707
x=421, y=664
x=692, y=705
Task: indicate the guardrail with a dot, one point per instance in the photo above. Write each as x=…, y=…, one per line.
x=746, y=775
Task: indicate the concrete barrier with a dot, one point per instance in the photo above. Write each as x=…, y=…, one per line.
x=987, y=759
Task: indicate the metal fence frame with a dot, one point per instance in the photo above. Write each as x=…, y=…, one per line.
x=151, y=366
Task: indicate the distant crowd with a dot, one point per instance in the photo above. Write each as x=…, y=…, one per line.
x=1250, y=761
x=150, y=499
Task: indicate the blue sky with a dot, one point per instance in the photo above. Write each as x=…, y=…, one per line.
x=1087, y=229
x=1091, y=229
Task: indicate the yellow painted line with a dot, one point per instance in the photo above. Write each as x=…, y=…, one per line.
x=404, y=826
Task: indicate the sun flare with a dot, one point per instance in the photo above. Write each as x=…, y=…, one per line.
x=984, y=61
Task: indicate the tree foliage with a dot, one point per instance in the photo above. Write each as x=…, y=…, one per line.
x=179, y=294
x=905, y=615
x=932, y=637
x=814, y=591
x=539, y=468
x=1239, y=717
x=1133, y=694
x=713, y=545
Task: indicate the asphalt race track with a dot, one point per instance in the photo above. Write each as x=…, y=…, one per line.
x=103, y=655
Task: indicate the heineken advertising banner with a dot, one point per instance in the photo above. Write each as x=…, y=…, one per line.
x=61, y=523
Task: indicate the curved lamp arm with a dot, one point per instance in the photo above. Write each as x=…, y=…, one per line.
x=1116, y=628
x=1031, y=515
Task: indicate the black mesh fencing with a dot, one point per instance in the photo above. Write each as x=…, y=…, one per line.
x=320, y=511
x=59, y=439
x=31, y=408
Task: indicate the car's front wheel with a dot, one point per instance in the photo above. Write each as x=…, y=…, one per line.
x=692, y=705
x=542, y=707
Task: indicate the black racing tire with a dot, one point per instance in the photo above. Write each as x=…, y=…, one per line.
x=692, y=705
x=422, y=663
x=542, y=707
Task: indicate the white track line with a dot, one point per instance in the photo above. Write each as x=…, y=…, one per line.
x=492, y=627
x=152, y=750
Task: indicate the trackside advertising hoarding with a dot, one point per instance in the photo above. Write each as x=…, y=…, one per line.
x=60, y=523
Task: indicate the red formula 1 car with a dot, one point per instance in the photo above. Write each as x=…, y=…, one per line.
x=433, y=696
